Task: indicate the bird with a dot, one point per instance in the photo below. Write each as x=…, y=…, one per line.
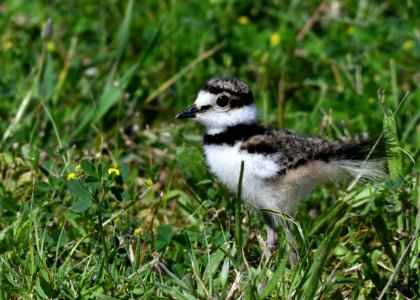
x=280, y=167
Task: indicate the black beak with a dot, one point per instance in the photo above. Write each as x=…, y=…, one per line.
x=190, y=112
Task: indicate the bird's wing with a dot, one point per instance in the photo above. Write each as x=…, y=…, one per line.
x=289, y=149
x=292, y=150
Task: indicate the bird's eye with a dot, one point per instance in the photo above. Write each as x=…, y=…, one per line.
x=222, y=101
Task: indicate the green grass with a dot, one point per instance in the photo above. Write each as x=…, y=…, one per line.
x=101, y=91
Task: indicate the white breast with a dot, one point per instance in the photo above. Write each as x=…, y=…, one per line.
x=225, y=162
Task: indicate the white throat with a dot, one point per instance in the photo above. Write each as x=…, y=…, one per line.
x=213, y=131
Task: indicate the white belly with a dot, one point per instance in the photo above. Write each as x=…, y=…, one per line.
x=225, y=163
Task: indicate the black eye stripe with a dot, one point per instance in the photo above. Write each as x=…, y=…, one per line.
x=205, y=107
x=235, y=103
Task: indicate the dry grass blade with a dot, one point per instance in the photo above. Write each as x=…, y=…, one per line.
x=310, y=23
x=22, y=108
x=167, y=84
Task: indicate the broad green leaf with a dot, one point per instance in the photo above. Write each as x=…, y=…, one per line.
x=88, y=168
x=164, y=236
x=93, y=183
x=43, y=186
x=215, y=259
x=92, y=179
x=102, y=170
x=125, y=171
x=77, y=190
x=82, y=205
x=82, y=196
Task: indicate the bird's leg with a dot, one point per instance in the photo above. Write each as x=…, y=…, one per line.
x=272, y=221
x=271, y=243
x=290, y=238
x=272, y=237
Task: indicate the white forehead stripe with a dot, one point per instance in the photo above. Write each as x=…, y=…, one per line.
x=217, y=120
x=204, y=98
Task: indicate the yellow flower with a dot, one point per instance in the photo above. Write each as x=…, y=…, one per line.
x=275, y=39
x=71, y=176
x=408, y=45
x=114, y=170
x=137, y=231
x=243, y=20
x=51, y=46
x=7, y=45
x=149, y=182
x=350, y=30
x=78, y=169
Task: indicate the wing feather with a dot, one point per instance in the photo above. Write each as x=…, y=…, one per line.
x=295, y=150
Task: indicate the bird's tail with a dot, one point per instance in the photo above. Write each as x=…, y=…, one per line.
x=360, y=156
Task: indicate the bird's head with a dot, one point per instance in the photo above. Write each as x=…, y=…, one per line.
x=221, y=103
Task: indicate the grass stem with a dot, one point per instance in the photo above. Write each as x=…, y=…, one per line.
x=238, y=215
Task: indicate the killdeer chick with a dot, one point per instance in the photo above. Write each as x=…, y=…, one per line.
x=280, y=167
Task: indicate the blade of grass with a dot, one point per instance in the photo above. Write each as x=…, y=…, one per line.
x=390, y=131
x=238, y=219
x=274, y=280
x=57, y=135
x=175, y=292
x=394, y=83
x=64, y=72
x=126, y=206
x=381, y=229
x=112, y=92
x=123, y=34
x=224, y=276
x=311, y=283
x=395, y=157
x=397, y=268
x=177, y=281
x=28, y=96
x=16, y=120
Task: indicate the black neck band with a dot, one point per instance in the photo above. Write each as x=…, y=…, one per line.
x=234, y=134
